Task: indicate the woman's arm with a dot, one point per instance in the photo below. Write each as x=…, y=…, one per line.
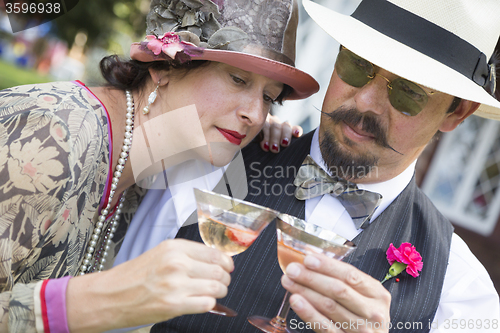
x=31, y=179
x=177, y=277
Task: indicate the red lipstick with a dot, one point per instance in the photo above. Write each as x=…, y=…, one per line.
x=232, y=136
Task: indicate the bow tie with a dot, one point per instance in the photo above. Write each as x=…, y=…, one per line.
x=313, y=181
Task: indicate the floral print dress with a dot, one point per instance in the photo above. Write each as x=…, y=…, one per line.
x=54, y=164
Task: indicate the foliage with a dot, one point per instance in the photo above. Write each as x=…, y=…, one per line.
x=11, y=75
x=99, y=19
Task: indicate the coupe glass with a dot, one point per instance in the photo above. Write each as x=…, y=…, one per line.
x=296, y=239
x=229, y=225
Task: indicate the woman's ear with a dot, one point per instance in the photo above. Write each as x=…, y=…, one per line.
x=159, y=77
x=462, y=112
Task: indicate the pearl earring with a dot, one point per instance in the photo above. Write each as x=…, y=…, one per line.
x=151, y=99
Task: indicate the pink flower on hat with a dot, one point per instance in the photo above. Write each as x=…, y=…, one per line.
x=404, y=257
x=169, y=43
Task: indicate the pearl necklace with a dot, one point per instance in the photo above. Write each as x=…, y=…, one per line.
x=99, y=257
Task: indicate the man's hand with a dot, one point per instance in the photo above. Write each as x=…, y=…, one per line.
x=330, y=291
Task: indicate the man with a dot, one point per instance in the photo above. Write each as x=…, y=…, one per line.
x=407, y=69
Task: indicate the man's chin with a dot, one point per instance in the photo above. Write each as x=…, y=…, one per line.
x=343, y=161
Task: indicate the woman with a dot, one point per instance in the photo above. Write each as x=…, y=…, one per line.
x=64, y=168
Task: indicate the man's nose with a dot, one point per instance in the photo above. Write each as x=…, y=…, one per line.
x=251, y=109
x=374, y=96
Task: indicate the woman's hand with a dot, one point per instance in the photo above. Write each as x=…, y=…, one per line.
x=275, y=133
x=176, y=277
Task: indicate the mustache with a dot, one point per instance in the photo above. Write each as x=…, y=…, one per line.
x=353, y=117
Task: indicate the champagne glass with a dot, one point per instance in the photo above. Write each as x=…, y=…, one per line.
x=229, y=225
x=296, y=239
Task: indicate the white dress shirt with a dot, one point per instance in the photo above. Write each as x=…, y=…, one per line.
x=469, y=301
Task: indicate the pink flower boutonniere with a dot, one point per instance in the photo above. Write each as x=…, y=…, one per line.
x=406, y=256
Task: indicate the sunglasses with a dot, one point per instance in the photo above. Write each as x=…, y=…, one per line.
x=405, y=96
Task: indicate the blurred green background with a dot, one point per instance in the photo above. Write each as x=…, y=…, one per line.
x=12, y=75
x=70, y=46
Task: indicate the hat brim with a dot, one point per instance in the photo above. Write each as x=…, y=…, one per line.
x=400, y=59
x=303, y=84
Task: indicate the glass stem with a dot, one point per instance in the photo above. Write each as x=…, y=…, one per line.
x=280, y=320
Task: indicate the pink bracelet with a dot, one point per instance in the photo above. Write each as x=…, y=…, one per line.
x=55, y=305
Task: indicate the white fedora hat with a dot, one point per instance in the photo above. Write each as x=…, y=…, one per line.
x=446, y=45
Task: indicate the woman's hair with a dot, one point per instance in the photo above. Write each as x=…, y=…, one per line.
x=133, y=74
x=287, y=91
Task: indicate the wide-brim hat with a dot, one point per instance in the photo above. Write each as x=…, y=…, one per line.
x=446, y=45
x=254, y=35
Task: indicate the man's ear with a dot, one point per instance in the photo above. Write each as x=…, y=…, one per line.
x=159, y=77
x=462, y=112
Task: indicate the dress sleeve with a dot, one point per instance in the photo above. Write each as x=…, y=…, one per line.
x=34, y=179
x=54, y=162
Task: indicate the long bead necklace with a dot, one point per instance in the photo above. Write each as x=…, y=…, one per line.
x=99, y=255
